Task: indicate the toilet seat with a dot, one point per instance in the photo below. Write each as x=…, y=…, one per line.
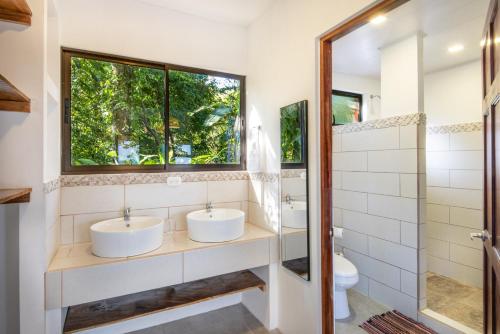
x=345, y=272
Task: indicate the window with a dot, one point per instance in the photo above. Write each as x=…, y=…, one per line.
x=346, y=107
x=123, y=115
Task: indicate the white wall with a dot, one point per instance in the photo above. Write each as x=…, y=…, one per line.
x=21, y=146
x=401, y=73
x=362, y=85
x=282, y=69
x=136, y=29
x=454, y=95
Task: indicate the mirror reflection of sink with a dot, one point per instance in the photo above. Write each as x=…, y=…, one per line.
x=216, y=225
x=120, y=238
x=294, y=214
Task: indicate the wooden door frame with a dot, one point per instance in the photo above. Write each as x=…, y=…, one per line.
x=326, y=141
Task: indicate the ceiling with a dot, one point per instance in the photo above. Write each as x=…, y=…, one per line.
x=239, y=12
x=443, y=22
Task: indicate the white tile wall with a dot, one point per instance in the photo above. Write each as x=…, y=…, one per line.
x=90, y=199
x=454, y=205
x=351, y=161
x=377, y=183
x=396, y=161
x=377, y=139
x=82, y=206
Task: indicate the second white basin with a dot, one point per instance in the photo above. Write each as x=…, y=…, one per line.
x=216, y=225
x=294, y=214
x=120, y=238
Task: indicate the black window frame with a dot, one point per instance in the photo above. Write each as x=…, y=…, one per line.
x=68, y=169
x=348, y=94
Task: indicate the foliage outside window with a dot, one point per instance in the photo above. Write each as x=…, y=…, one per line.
x=116, y=111
x=292, y=128
x=346, y=107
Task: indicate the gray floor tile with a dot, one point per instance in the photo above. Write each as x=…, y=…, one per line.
x=229, y=320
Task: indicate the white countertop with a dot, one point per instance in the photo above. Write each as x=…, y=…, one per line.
x=80, y=255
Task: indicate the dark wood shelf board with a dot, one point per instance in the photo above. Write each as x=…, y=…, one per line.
x=20, y=195
x=16, y=11
x=11, y=98
x=112, y=310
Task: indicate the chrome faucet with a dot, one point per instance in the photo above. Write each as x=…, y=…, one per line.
x=209, y=206
x=288, y=199
x=126, y=216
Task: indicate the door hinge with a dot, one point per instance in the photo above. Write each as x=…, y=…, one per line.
x=67, y=106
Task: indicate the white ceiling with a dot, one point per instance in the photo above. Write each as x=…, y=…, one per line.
x=239, y=12
x=443, y=22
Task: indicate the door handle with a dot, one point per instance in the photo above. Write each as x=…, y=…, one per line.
x=484, y=235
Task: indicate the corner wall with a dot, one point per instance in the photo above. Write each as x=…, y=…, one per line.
x=378, y=197
x=21, y=147
x=283, y=69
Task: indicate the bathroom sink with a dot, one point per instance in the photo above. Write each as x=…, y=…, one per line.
x=215, y=225
x=121, y=238
x=294, y=214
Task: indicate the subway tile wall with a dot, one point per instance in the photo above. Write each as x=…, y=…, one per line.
x=81, y=206
x=378, y=199
x=455, y=202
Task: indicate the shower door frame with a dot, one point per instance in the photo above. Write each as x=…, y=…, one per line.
x=326, y=141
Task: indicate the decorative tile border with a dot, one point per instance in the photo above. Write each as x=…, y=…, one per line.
x=291, y=173
x=454, y=128
x=51, y=185
x=411, y=119
x=146, y=178
x=264, y=177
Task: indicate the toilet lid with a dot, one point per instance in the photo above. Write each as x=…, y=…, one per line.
x=343, y=267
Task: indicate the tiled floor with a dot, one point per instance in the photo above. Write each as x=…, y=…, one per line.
x=362, y=308
x=229, y=320
x=456, y=301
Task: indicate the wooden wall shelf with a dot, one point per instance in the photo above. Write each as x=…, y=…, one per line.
x=9, y=196
x=108, y=311
x=16, y=11
x=11, y=98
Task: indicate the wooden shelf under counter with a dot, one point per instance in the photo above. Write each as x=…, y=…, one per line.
x=19, y=195
x=109, y=311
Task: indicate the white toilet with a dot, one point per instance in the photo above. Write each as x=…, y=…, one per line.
x=346, y=276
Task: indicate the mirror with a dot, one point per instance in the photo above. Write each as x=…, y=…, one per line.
x=294, y=190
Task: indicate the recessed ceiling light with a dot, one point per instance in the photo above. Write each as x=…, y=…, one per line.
x=456, y=48
x=379, y=19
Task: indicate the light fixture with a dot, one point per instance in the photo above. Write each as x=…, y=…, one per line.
x=456, y=48
x=379, y=19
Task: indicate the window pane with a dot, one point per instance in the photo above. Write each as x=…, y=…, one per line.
x=346, y=109
x=117, y=113
x=291, y=133
x=204, y=119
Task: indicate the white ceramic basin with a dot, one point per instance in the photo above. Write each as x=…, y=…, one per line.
x=294, y=214
x=217, y=225
x=113, y=238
